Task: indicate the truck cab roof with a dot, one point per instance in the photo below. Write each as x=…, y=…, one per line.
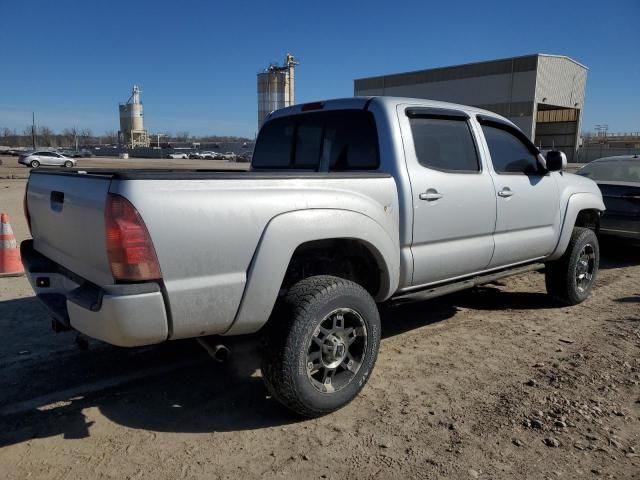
x=385, y=102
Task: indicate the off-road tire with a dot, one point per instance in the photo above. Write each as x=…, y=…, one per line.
x=561, y=274
x=34, y=164
x=295, y=324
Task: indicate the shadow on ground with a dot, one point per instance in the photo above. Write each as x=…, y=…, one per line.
x=190, y=393
x=618, y=253
x=632, y=299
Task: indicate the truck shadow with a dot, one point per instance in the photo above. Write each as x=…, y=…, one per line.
x=48, y=387
x=49, y=391
x=618, y=253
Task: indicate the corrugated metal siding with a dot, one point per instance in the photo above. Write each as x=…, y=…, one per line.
x=444, y=74
x=560, y=82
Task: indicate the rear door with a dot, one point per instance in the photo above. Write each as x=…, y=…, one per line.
x=55, y=158
x=47, y=158
x=40, y=157
x=67, y=221
x=454, y=205
x=528, y=206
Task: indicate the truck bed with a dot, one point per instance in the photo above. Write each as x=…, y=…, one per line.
x=204, y=174
x=206, y=226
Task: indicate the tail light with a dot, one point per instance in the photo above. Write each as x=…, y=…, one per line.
x=129, y=247
x=25, y=208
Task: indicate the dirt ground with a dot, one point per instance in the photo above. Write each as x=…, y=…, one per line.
x=497, y=382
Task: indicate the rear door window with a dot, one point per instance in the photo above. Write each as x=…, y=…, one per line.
x=445, y=144
x=336, y=140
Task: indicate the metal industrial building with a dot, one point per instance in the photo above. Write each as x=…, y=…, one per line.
x=542, y=94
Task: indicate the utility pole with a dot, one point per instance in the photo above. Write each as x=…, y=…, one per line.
x=33, y=130
x=159, y=150
x=602, y=130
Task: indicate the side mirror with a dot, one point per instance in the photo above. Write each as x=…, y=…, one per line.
x=556, y=161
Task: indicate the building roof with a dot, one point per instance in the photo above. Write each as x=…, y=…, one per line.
x=454, y=72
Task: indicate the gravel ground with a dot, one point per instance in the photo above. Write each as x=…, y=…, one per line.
x=496, y=382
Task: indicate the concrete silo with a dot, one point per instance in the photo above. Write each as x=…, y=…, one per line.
x=132, y=132
x=276, y=88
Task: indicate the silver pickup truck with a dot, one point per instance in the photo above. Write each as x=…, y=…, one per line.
x=348, y=204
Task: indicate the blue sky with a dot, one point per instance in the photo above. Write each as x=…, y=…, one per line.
x=73, y=61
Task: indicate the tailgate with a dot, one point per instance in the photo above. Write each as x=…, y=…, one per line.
x=67, y=221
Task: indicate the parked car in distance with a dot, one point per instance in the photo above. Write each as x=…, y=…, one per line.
x=195, y=155
x=375, y=201
x=178, y=155
x=228, y=156
x=619, y=181
x=17, y=152
x=48, y=158
x=208, y=155
x=76, y=153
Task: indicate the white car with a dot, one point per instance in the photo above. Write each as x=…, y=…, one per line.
x=35, y=159
x=179, y=155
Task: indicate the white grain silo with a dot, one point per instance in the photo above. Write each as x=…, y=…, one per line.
x=276, y=88
x=132, y=132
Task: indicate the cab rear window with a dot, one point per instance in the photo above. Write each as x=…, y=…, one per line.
x=335, y=140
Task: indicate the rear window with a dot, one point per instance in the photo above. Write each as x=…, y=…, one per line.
x=337, y=140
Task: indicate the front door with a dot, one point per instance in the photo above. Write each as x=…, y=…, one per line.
x=454, y=204
x=528, y=221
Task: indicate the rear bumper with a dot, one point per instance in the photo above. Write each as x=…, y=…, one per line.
x=124, y=315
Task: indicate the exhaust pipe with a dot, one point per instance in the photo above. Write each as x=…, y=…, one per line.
x=220, y=353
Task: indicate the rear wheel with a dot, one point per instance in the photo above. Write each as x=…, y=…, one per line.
x=68, y=164
x=34, y=164
x=322, y=344
x=570, y=279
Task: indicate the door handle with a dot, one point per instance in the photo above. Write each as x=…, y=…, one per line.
x=505, y=192
x=430, y=195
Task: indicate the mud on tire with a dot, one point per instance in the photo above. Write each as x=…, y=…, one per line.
x=321, y=345
x=570, y=279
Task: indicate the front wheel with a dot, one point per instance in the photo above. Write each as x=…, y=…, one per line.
x=570, y=279
x=322, y=344
x=68, y=164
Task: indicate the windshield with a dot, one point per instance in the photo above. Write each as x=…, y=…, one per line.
x=612, y=171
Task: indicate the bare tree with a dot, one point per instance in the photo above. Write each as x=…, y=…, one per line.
x=182, y=136
x=46, y=136
x=86, y=136
x=110, y=137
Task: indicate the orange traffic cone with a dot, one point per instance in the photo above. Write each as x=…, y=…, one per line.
x=10, y=264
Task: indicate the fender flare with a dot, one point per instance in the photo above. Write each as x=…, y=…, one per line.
x=284, y=234
x=576, y=203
